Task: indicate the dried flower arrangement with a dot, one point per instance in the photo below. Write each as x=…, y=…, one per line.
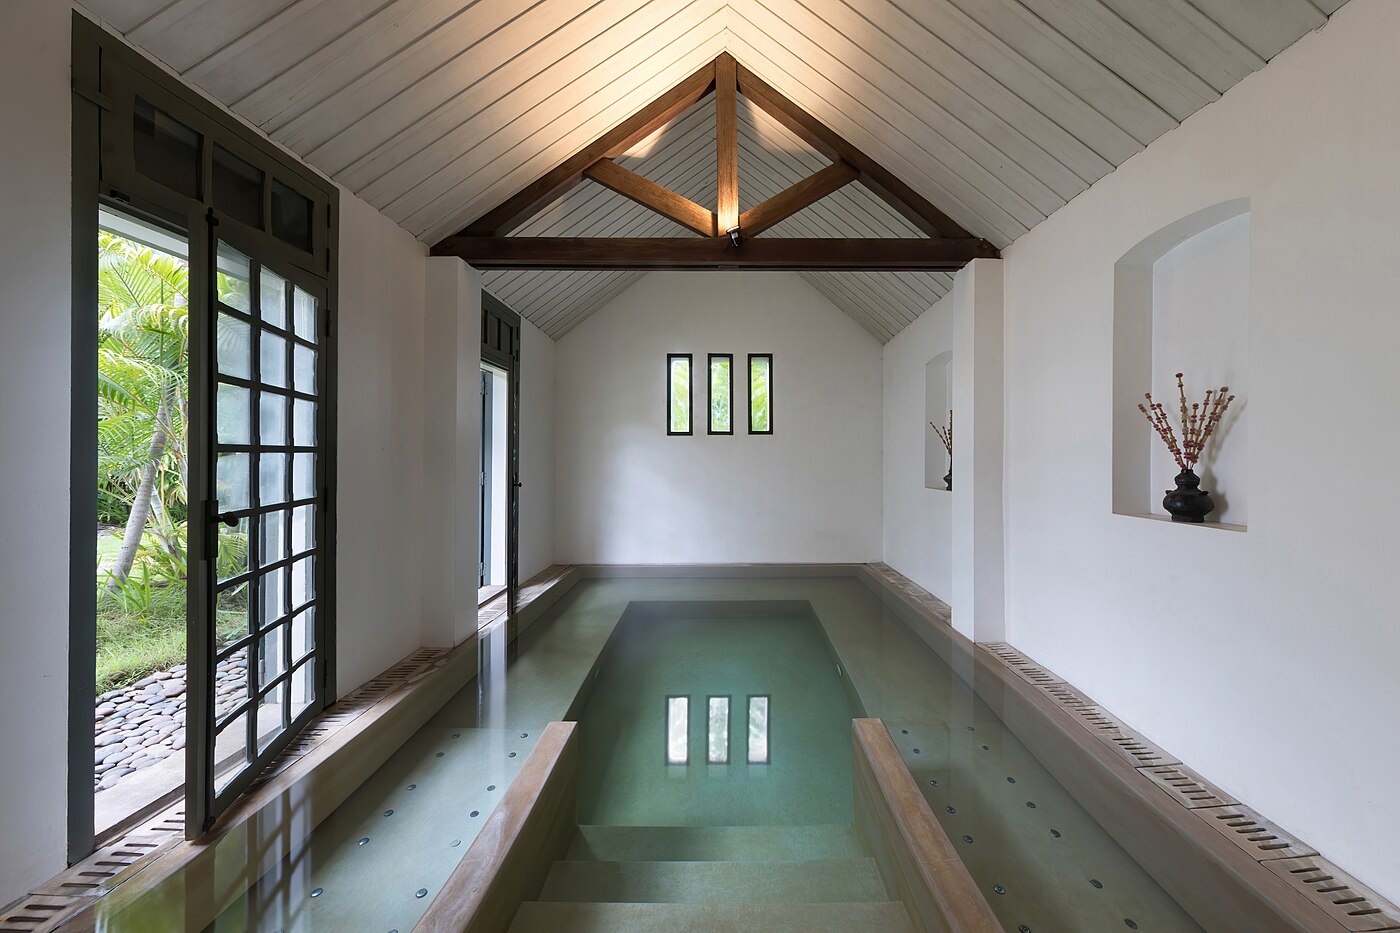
x=1198, y=422
x=946, y=436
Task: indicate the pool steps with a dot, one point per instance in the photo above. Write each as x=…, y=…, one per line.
x=885, y=916
x=715, y=843
x=814, y=881
x=876, y=917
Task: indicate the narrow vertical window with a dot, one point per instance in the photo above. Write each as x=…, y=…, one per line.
x=721, y=393
x=758, y=730
x=718, y=731
x=678, y=393
x=677, y=730
x=760, y=393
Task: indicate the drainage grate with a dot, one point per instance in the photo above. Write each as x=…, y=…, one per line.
x=1187, y=787
x=40, y=913
x=1024, y=667
x=926, y=601
x=104, y=869
x=1349, y=902
x=1254, y=834
x=1097, y=721
x=1140, y=752
x=1065, y=695
x=349, y=708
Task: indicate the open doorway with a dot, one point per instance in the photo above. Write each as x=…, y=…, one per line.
x=140, y=544
x=492, y=570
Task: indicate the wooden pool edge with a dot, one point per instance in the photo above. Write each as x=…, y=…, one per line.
x=914, y=855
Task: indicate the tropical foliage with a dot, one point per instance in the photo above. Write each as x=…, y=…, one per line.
x=759, y=370
x=142, y=375
x=142, y=467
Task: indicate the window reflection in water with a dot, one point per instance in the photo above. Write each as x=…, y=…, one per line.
x=719, y=731
x=677, y=730
x=758, y=730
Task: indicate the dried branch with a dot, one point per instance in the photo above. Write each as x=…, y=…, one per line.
x=946, y=436
x=1198, y=422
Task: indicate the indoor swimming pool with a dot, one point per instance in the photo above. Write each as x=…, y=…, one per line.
x=715, y=713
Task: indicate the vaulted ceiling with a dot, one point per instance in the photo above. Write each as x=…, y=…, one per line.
x=434, y=111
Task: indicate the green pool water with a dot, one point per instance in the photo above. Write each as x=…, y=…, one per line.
x=698, y=653
x=822, y=649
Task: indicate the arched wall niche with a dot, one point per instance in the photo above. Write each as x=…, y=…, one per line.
x=938, y=399
x=1181, y=304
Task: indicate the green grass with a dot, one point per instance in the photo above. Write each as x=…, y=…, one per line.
x=107, y=547
x=132, y=643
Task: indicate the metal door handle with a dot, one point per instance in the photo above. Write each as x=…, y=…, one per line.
x=228, y=519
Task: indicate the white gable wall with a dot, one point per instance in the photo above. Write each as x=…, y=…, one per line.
x=628, y=493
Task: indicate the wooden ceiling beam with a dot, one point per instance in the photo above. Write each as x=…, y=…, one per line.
x=904, y=199
x=910, y=254
x=727, y=141
x=513, y=212
x=650, y=195
x=790, y=200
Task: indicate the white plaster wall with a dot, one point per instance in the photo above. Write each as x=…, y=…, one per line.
x=629, y=493
x=35, y=363
x=918, y=521
x=451, y=419
x=380, y=463
x=1264, y=659
x=537, y=363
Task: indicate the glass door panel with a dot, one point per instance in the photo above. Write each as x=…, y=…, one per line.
x=265, y=571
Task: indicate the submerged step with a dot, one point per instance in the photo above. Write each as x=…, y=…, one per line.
x=716, y=843
x=811, y=881
x=881, y=917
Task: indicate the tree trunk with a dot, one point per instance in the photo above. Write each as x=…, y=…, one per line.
x=141, y=505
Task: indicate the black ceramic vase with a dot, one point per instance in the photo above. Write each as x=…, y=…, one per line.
x=948, y=477
x=1188, y=502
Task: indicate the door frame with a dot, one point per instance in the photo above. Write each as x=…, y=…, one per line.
x=106, y=75
x=500, y=346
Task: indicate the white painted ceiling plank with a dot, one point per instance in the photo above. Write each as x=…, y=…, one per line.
x=452, y=187
x=457, y=71
x=849, y=92
x=977, y=214
x=1266, y=26
x=996, y=75
x=1128, y=53
x=126, y=15
x=1071, y=66
x=536, y=120
x=186, y=31
x=928, y=94
x=276, y=44
x=392, y=31
x=927, y=26
x=1192, y=38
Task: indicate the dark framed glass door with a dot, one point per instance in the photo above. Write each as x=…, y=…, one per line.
x=500, y=347
x=259, y=593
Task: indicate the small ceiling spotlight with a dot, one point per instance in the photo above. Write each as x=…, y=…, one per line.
x=735, y=238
